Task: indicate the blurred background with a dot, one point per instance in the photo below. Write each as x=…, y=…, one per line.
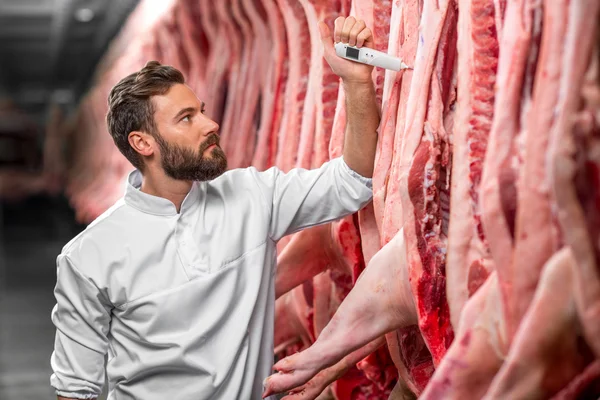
x=49, y=52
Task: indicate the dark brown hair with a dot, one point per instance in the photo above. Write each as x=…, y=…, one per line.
x=130, y=107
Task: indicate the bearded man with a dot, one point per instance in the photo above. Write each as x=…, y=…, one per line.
x=175, y=282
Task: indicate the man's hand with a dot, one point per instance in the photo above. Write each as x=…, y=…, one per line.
x=362, y=114
x=355, y=33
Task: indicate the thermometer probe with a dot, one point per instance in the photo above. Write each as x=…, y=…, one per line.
x=368, y=56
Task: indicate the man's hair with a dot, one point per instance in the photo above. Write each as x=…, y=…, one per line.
x=130, y=107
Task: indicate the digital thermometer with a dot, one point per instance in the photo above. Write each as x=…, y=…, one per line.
x=368, y=56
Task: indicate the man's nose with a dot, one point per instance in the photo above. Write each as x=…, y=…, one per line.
x=212, y=127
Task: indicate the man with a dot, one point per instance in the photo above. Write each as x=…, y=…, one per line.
x=176, y=281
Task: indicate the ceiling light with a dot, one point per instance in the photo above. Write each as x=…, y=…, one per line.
x=84, y=15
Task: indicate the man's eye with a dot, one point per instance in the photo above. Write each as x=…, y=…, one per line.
x=186, y=118
x=203, y=110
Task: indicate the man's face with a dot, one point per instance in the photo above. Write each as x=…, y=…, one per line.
x=188, y=140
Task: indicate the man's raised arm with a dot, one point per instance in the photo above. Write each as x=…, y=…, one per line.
x=303, y=198
x=362, y=114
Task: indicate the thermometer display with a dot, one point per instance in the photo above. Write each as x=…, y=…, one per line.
x=352, y=52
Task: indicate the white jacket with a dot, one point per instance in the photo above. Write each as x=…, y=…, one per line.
x=183, y=303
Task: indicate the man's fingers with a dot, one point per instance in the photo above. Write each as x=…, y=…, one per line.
x=325, y=34
x=348, y=25
x=365, y=37
x=356, y=29
x=326, y=38
x=338, y=25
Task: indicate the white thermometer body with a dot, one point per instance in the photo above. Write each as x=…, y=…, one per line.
x=369, y=56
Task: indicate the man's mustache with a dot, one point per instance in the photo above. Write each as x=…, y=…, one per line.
x=212, y=139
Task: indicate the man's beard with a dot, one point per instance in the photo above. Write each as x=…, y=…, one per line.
x=186, y=164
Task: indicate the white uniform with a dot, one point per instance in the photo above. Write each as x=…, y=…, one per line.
x=183, y=303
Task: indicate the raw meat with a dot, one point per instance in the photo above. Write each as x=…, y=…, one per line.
x=251, y=79
x=542, y=361
x=536, y=237
x=498, y=188
x=195, y=45
x=481, y=340
x=298, y=44
x=273, y=92
x=380, y=21
x=235, y=72
x=469, y=261
x=336, y=244
x=406, y=346
x=315, y=386
x=297, y=332
x=170, y=41
x=391, y=90
x=375, y=305
x=576, y=159
x=469, y=366
x=319, y=107
x=584, y=386
x=424, y=166
x=313, y=250
x=219, y=58
x=386, y=178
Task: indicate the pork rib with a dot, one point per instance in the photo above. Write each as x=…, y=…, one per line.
x=298, y=44
x=170, y=41
x=391, y=100
x=380, y=21
x=194, y=44
x=386, y=179
x=323, y=85
x=220, y=56
x=424, y=166
x=235, y=74
x=469, y=260
x=273, y=93
x=251, y=80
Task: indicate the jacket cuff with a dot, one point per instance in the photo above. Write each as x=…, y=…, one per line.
x=368, y=182
x=76, y=395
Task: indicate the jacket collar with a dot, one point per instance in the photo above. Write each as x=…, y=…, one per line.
x=154, y=204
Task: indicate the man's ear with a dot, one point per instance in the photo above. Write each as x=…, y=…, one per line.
x=142, y=142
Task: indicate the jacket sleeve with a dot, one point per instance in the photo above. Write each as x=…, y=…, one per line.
x=82, y=320
x=303, y=198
